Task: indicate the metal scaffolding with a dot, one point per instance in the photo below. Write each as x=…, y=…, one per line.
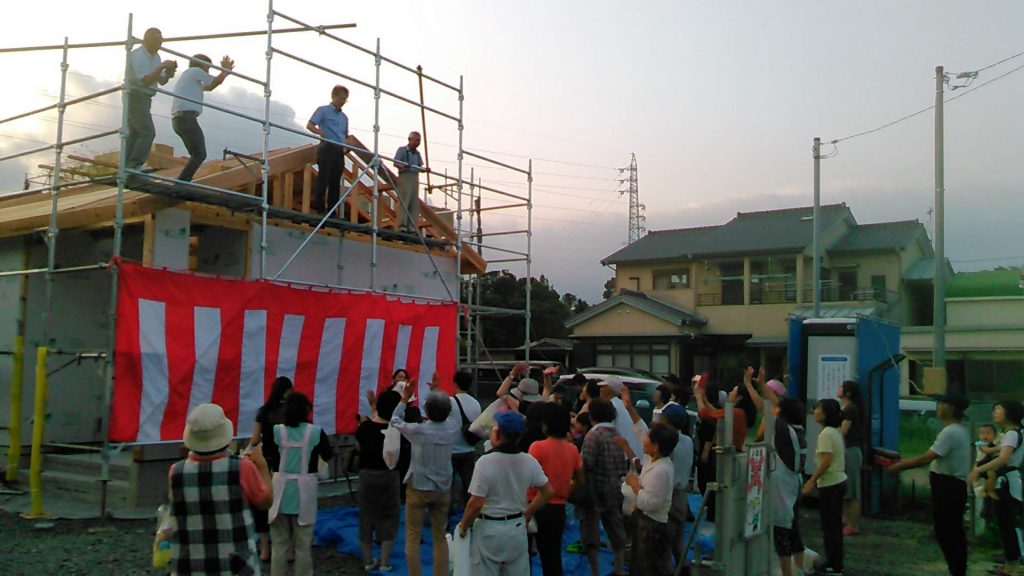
x=466, y=194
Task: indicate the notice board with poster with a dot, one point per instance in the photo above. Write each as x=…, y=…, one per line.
x=833, y=369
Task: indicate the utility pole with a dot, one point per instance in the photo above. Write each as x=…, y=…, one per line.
x=939, y=296
x=637, y=219
x=816, y=235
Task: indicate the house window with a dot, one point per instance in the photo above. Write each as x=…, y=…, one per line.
x=847, y=284
x=672, y=279
x=644, y=356
x=878, y=287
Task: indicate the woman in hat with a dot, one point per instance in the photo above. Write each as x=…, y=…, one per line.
x=293, y=514
x=1008, y=415
x=210, y=495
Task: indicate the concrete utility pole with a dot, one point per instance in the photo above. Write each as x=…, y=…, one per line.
x=939, y=283
x=637, y=219
x=816, y=241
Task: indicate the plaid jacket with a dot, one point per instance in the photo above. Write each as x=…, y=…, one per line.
x=215, y=528
x=604, y=465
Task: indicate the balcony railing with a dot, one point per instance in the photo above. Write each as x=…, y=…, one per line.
x=785, y=293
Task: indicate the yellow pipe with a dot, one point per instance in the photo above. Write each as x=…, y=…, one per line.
x=14, y=424
x=38, y=421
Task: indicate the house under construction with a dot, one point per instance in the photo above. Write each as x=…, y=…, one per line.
x=246, y=215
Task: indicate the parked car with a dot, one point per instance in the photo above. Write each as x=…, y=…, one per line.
x=641, y=384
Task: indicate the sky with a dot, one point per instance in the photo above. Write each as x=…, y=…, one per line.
x=719, y=101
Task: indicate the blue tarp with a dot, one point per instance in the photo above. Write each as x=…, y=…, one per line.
x=339, y=527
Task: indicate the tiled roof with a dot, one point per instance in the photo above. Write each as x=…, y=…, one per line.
x=653, y=306
x=883, y=236
x=766, y=232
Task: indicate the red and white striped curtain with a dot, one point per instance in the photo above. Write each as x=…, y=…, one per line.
x=183, y=340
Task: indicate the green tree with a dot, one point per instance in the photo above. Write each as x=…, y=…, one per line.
x=609, y=288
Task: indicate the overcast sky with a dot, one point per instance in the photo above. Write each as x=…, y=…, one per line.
x=719, y=101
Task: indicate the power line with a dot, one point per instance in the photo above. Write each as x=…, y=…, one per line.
x=932, y=107
x=1007, y=59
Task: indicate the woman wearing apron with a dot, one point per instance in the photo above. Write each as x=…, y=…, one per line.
x=293, y=513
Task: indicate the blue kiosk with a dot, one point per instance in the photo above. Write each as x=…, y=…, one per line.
x=825, y=351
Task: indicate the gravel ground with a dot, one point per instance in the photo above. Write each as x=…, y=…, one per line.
x=890, y=546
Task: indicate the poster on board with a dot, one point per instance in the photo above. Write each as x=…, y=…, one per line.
x=833, y=369
x=754, y=519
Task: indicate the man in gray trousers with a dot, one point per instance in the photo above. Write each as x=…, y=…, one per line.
x=409, y=164
x=145, y=69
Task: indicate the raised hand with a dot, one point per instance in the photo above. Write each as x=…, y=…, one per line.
x=227, y=63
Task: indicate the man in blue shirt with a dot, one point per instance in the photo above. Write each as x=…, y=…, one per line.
x=330, y=123
x=409, y=164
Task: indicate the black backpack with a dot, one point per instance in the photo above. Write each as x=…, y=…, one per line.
x=471, y=438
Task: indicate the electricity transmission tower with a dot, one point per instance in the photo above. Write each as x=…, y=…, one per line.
x=637, y=220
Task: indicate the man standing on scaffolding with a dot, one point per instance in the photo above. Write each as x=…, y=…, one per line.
x=330, y=123
x=409, y=164
x=185, y=113
x=144, y=70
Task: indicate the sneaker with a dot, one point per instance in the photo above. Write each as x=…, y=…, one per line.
x=371, y=565
x=385, y=568
x=847, y=531
x=827, y=572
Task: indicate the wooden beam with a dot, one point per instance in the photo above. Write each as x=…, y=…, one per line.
x=148, y=237
x=307, y=187
x=289, y=190
x=277, y=191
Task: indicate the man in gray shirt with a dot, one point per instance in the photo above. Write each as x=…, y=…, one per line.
x=144, y=70
x=949, y=461
x=430, y=475
x=409, y=164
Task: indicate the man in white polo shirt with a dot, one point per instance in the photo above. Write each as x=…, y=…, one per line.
x=144, y=70
x=188, y=105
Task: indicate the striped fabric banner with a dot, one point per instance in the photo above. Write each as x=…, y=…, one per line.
x=183, y=340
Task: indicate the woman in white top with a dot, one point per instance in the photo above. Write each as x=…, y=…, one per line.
x=653, y=489
x=1008, y=415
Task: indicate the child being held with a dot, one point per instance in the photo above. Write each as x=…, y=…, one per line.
x=988, y=450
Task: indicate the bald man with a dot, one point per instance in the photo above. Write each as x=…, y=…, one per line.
x=409, y=164
x=145, y=69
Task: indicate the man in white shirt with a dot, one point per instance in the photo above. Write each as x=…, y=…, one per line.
x=144, y=70
x=188, y=105
x=611, y=388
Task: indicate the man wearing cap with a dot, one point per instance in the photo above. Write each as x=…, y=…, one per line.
x=210, y=493
x=611, y=389
x=949, y=461
x=498, y=511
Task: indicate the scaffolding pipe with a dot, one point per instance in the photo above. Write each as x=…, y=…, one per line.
x=189, y=59
x=502, y=260
x=499, y=249
x=18, y=375
x=502, y=192
x=52, y=146
x=52, y=230
x=321, y=31
x=171, y=39
x=497, y=162
x=502, y=207
x=375, y=162
x=264, y=204
x=33, y=271
x=505, y=233
x=78, y=100
x=350, y=290
x=458, y=225
x=214, y=189
x=469, y=292
x=375, y=87
x=108, y=365
x=529, y=259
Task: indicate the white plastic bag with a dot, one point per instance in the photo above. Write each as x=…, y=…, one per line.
x=628, y=499
x=392, y=447
x=485, y=421
x=459, y=551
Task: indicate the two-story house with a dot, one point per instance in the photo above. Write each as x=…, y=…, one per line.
x=719, y=296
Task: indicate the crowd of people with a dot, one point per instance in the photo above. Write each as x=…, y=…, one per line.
x=329, y=123
x=547, y=446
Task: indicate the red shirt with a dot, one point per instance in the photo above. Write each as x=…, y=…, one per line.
x=739, y=423
x=560, y=460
